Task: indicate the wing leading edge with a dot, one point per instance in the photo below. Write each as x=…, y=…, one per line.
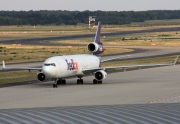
x=92, y=70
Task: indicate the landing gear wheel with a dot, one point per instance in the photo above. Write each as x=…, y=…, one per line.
x=99, y=82
x=95, y=81
x=55, y=85
x=59, y=82
x=79, y=81
x=64, y=82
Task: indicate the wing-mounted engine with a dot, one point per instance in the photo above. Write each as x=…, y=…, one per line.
x=41, y=76
x=95, y=48
x=100, y=75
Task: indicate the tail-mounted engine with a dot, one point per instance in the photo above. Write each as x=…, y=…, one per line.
x=95, y=48
x=92, y=47
x=41, y=76
x=100, y=75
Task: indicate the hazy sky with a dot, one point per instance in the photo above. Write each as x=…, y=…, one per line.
x=92, y=5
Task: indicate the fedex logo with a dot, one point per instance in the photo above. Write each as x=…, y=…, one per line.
x=71, y=64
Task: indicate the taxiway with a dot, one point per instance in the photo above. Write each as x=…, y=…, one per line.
x=155, y=85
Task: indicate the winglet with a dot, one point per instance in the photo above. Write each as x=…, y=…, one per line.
x=175, y=60
x=4, y=66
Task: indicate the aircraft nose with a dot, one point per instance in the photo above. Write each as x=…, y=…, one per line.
x=48, y=71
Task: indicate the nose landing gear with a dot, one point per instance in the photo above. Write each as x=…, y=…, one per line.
x=55, y=85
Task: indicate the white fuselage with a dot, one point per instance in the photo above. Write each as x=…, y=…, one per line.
x=71, y=65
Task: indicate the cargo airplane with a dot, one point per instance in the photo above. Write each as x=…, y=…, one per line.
x=59, y=68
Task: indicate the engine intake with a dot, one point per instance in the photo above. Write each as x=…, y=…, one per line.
x=92, y=47
x=41, y=76
x=100, y=75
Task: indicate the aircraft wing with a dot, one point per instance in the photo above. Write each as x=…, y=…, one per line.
x=92, y=70
x=7, y=68
x=115, y=58
x=133, y=66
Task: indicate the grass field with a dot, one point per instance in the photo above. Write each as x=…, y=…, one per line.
x=143, y=39
x=23, y=32
x=17, y=76
x=13, y=54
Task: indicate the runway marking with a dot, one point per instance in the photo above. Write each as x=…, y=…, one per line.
x=164, y=99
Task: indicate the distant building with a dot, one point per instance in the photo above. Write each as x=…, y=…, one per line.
x=92, y=19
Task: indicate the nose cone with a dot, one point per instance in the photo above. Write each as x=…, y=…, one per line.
x=49, y=71
x=49, y=68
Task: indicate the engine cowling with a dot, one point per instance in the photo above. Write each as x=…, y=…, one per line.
x=41, y=76
x=92, y=47
x=100, y=75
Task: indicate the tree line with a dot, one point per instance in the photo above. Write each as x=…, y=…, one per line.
x=44, y=17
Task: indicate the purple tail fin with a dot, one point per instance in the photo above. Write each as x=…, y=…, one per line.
x=98, y=34
x=97, y=40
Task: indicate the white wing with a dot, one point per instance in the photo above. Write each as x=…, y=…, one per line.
x=92, y=70
x=6, y=68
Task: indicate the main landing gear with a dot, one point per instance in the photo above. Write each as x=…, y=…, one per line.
x=80, y=80
x=58, y=82
x=97, y=82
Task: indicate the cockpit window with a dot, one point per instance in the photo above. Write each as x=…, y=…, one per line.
x=49, y=64
x=53, y=64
